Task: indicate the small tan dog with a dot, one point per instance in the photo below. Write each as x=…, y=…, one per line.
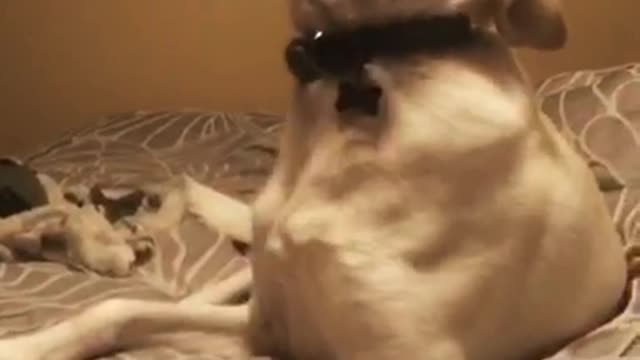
x=453, y=223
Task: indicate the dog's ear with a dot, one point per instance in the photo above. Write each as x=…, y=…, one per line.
x=537, y=24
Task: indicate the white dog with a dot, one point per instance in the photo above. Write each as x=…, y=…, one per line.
x=421, y=207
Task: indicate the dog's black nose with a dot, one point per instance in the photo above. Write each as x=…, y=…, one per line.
x=301, y=62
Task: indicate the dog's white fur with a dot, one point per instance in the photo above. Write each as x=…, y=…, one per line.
x=455, y=225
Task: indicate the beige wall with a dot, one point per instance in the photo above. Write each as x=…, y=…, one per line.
x=602, y=33
x=65, y=62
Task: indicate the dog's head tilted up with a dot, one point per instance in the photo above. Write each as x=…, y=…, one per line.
x=448, y=61
x=535, y=23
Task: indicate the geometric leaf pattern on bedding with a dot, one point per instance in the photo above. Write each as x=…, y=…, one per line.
x=598, y=112
x=233, y=153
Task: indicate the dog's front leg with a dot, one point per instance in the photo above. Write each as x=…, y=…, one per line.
x=224, y=291
x=208, y=205
x=121, y=324
x=218, y=211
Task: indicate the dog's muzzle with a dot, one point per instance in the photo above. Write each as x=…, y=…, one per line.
x=342, y=55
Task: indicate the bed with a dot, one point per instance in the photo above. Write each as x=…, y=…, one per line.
x=597, y=110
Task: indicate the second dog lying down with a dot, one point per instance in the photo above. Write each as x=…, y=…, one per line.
x=446, y=221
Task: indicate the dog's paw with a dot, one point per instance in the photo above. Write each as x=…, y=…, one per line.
x=144, y=247
x=95, y=245
x=203, y=202
x=116, y=260
x=121, y=259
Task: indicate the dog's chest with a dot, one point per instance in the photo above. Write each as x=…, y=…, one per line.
x=289, y=300
x=322, y=302
x=329, y=282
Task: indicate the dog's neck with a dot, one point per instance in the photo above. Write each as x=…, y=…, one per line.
x=341, y=55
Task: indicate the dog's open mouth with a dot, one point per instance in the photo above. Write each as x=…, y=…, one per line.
x=342, y=55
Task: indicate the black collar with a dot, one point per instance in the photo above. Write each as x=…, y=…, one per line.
x=341, y=55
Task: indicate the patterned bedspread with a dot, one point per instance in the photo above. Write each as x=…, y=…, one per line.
x=598, y=111
x=232, y=153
